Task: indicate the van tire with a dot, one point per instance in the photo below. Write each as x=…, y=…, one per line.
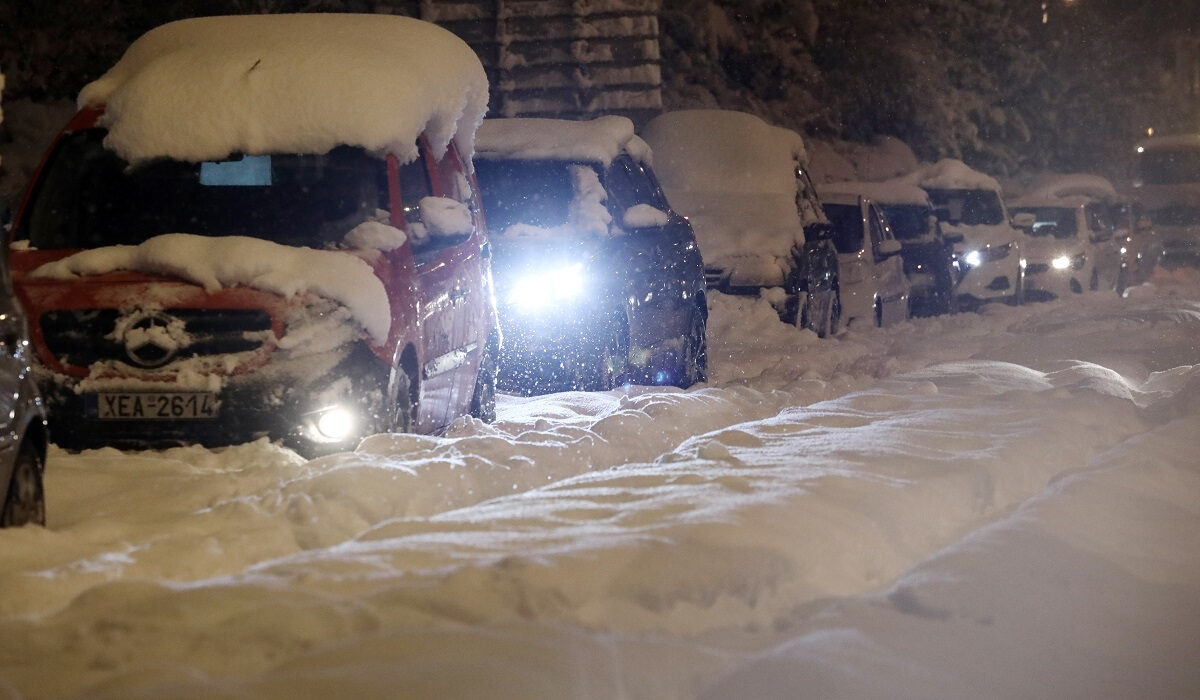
x=25, y=503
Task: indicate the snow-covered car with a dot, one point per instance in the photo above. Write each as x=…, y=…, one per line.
x=598, y=281
x=23, y=437
x=745, y=187
x=1166, y=180
x=874, y=288
x=263, y=226
x=928, y=258
x=1069, y=246
x=987, y=248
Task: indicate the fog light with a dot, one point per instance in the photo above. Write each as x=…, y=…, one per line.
x=1062, y=262
x=336, y=423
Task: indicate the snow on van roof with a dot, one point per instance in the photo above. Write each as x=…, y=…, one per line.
x=952, y=174
x=713, y=150
x=203, y=88
x=1072, y=189
x=597, y=140
x=891, y=192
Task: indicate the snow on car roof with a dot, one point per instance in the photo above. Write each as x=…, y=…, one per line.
x=712, y=150
x=892, y=192
x=1074, y=189
x=952, y=174
x=203, y=88
x=597, y=140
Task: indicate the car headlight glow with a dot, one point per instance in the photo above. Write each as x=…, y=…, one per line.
x=1062, y=262
x=537, y=291
x=973, y=258
x=336, y=423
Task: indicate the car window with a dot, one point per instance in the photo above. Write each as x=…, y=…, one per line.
x=968, y=207
x=1051, y=221
x=1098, y=218
x=533, y=193
x=908, y=222
x=879, y=232
x=415, y=185
x=89, y=197
x=629, y=184
x=847, y=227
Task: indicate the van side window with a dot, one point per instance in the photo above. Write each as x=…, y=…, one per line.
x=414, y=186
x=449, y=181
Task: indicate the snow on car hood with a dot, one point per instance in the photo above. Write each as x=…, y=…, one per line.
x=203, y=88
x=1045, y=248
x=981, y=235
x=214, y=263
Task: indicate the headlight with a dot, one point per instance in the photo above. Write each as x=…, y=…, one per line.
x=1062, y=262
x=535, y=292
x=336, y=423
x=973, y=258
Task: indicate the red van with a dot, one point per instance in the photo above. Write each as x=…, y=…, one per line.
x=292, y=290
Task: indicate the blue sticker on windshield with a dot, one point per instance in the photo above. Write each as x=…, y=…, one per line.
x=250, y=171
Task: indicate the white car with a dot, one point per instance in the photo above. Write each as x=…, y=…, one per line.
x=987, y=247
x=1069, y=244
x=874, y=287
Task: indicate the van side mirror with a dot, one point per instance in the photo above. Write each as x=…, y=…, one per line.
x=445, y=217
x=821, y=230
x=888, y=248
x=644, y=216
x=1024, y=221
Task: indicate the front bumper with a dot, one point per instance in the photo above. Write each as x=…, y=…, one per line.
x=278, y=403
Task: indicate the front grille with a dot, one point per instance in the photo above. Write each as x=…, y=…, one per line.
x=81, y=337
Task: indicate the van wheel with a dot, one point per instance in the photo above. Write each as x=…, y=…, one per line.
x=878, y=314
x=402, y=419
x=694, y=356
x=483, y=400
x=25, y=503
x=825, y=314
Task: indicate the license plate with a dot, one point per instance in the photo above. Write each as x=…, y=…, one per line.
x=185, y=405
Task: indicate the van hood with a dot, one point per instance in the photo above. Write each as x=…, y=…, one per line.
x=216, y=263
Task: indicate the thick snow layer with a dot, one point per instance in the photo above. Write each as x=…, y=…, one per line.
x=1072, y=189
x=229, y=261
x=598, y=140
x=201, y=89
x=952, y=174
x=734, y=177
x=898, y=192
x=983, y=505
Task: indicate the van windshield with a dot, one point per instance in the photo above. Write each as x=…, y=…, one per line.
x=87, y=197
x=968, y=207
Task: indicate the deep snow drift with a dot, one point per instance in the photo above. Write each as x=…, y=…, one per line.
x=1004, y=504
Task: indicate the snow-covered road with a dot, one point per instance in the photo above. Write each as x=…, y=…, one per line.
x=1003, y=504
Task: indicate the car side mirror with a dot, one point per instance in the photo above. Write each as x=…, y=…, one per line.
x=821, y=230
x=445, y=217
x=1024, y=221
x=644, y=216
x=888, y=248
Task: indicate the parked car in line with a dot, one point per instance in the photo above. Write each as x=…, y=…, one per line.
x=745, y=187
x=23, y=435
x=1069, y=246
x=874, y=288
x=987, y=250
x=599, y=282
x=1140, y=246
x=230, y=241
x=1166, y=180
x=927, y=255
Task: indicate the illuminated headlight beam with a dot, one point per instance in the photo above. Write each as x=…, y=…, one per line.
x=1062, y=262
x=537, y=291
x=973, y=258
